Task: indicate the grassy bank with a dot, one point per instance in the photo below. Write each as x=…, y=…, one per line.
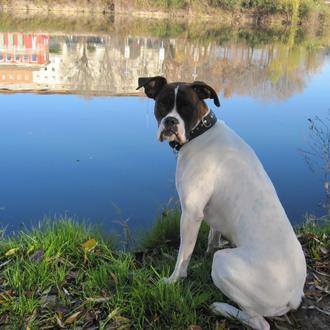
x=289, y=11
x=191, y=30
x=66, y=275
x=261, y=7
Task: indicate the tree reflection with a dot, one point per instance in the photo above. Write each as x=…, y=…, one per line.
x=77, y=68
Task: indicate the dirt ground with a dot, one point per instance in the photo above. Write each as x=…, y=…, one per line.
x=314, y=312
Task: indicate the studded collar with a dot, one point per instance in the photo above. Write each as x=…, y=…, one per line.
x=205, y=124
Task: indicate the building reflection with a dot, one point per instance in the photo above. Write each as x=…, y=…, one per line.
x=111, y=64
x=22, y=54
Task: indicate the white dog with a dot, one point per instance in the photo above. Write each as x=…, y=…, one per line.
x=220, y=179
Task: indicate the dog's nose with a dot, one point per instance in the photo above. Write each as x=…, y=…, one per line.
x=171, y=121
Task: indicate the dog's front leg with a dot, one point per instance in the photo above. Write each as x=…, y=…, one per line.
x=189, y=227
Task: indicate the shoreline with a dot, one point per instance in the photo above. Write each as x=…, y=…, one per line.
x=250, y=18
x=65, y=274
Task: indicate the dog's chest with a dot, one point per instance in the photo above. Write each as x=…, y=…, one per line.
x=203, y=155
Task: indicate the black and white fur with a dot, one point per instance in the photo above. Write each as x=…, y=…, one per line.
x=220, y=179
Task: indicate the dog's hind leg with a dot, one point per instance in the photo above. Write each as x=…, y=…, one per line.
x=236, y=275
x=252, y=320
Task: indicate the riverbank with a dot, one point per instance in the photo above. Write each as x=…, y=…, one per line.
x=66, y=275
x=236, y=12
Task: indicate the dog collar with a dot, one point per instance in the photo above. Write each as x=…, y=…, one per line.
x=205, y=124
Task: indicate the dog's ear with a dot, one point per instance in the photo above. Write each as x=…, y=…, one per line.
x=205, y=91
x=152, y=85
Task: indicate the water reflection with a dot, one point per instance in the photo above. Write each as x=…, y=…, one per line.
x=317, y=154
x=265, y=63
x=68, y=154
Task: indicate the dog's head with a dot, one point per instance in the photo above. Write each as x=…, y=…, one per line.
x=179, y=106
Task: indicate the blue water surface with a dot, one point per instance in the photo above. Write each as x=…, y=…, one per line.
x=96, y=158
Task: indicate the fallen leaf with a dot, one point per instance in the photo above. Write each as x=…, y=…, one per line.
x=11, y=252
x=72, y=318
x=59, y=321
x=324, y=250
x=98, y=300
x=312, y=293
x=194, y=327
x=90, y=244
x=60, y=314
x=114, y=277
x=46, y=291
x=121, y=318
x=66, y=291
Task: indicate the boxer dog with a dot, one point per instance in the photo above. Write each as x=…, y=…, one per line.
x=220, y=179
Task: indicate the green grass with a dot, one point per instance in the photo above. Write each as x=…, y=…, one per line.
x=62, y=268
x=165, y=233
x=66, y=274
x=316, y=232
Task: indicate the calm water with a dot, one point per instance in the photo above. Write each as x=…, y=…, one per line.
x=77, y=138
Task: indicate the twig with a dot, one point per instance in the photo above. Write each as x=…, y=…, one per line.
x=326, y=312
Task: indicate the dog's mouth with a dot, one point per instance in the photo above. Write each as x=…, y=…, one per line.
x=169, y=134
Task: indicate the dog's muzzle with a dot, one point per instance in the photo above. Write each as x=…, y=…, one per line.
x=170, y=128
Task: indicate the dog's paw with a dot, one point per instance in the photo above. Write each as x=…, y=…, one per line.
x=168, y=280
x=174, y=278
